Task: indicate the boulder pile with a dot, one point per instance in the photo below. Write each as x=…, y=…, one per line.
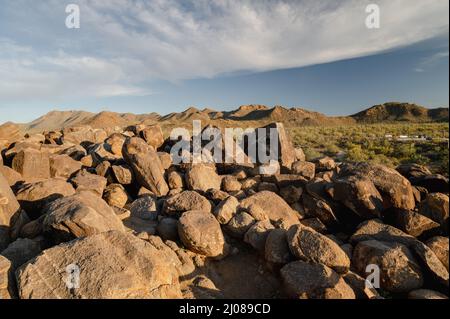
x=90, y=213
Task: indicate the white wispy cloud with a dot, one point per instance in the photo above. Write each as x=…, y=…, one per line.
x=431, y=61
x=122, y=44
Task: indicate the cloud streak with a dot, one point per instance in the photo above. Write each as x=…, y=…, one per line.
x=431, y=61
x=123, y=44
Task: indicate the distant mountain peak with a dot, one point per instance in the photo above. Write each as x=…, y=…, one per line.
x=208, y=110
x=191, y=110
x=405, y=112
x=252, y=107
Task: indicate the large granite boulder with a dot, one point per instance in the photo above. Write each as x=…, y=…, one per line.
x=436, y=207
x=305, y=169
x=34, y=196
x=200, y=232
x=63, y=166
x=414, y=223
x=83, y=134
x=201, y=177
x=226, y=209
x=14, y=178
x=79, y=215
x=276, y=247
x=395, y=189
x=115, y=143
x=9, y=210
x=375, y=230
x=110, y=265
x=85, y=181
x=399, y=270
x=274, y=207
x=153, y=135
x=116, y=195
x=257, y=234
x=146, y=165
x=185, y=201
x=308, y=245
x=123, y=174
x=305, y=280
x=440, y=246
x=32, y=164
x=360, y=195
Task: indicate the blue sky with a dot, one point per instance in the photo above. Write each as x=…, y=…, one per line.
x=166, y=55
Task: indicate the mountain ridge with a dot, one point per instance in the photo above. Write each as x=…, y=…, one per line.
x=401, y=112
x=252, y=113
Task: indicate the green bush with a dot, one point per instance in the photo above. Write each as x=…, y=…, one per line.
x=369, y=143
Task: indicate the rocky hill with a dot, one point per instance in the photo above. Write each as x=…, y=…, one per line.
x=246, y=115
x=190, y=114
x=56, y=120
x=289, y=116
x=401, y=112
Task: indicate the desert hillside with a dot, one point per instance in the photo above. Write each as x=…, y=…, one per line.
x=401, y=112
x=246, y=115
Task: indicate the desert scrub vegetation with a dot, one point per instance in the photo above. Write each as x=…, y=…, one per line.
x=388, y=144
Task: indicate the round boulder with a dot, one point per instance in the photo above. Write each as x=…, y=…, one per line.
x=200, y=232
